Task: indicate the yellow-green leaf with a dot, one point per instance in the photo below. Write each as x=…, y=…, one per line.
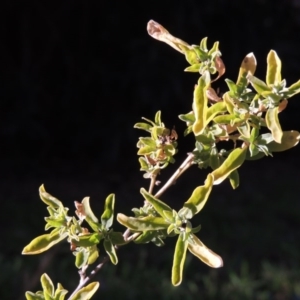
x=90, y=217
x=234, y=179
x=86, y=292
x=142, y=224
x=81, y=258
x=32, y=296
x=213, y=110
x=273, y=69
x=198, y=198
x=48, y=199
x=231, y=163
x=200, y=103
x=259, y=86
x=108, y=214
x=178, y=260
x=47, y=284
x=273, y=124
x=197, y=248
x=158, y=205
x=43, y=243
x=111, y=251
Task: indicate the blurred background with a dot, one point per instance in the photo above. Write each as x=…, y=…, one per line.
x=76, y=76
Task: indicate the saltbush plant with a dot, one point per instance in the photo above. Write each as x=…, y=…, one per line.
x=246, y=116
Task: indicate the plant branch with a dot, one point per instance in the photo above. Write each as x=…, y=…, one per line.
x=184, y=166
x=152, y=183
x=88, y=278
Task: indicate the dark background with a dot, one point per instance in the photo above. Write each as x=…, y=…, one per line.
x=76, y=76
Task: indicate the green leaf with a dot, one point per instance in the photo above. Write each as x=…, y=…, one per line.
x=194, y=68
x=32, y=296
x=233, y=90
x=293, y=89
x=43, y=243
x=215, y=109
x=224, y=119
x=48, y=199
x=47, y=284
x=143, y=126
x=88, y=240
x=289, y=140
x=93, y=254
x=197, y=248
x=190, y=55
x=273, y=69
x=142, y=224
x=231, y=163
x=157, y=118
x=158, y=205
x=203, y=44
x=111, y=251
x=234, y=179
x=117, y=238
x=60, y=295
x=86, y=292
x=198, y=198
x=178, y=260
x=82, y=257
x=258, y=84
x=146, y=237
x=273, y=124
x=90, y=217
x=200, y=103
x=108, y=214
x=229, y=103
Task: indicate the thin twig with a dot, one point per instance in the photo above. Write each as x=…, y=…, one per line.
x=184, y=166
x=88, y=278
x=152, y=183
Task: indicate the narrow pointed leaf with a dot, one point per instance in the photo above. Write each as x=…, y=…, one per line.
x=200, y=104
x=111, y=251
x=273, y=69
x=178, y=260
x=86, y=292
x=143, y=126
x=158, y=205
x=43, y=243
x=258, y=84
x=293, y=89
x=197, y=248
x=234, y=160
x=157, y=118
x=108, y=214
x=142, y=224
x=88, y=240
x=273, y=124
x=198, y=198
x=47, y=284
x=234, y=179
x=213, y=110
x=48, y=199
x=90, y=217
